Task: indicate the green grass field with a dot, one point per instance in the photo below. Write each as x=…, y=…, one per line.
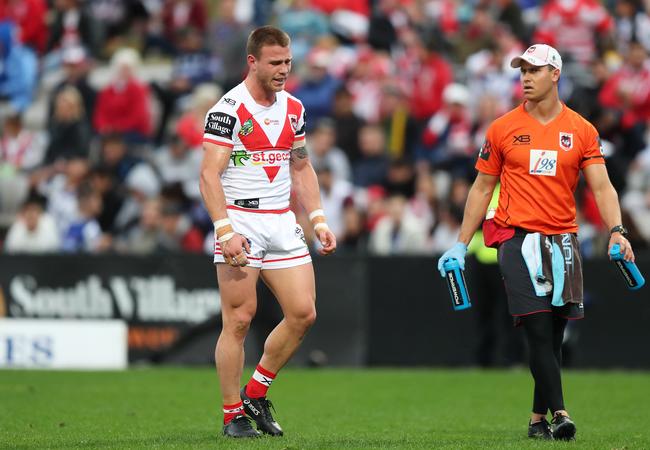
x=333, y=409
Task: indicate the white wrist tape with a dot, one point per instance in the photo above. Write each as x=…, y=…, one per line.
x=221, y=223
x=321, y=225
x=316, y=213
x=226, y=237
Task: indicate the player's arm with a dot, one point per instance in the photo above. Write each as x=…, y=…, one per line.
x=607, y=201
x=305, y=185
x=478, y=200
x=214, y=163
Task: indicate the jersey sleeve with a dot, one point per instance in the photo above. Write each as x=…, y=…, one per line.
x=490, y=157
x=301, y=126
x=593, y=148
x=221, y=124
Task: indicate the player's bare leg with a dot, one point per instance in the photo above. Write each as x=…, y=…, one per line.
x=237, y=286
x=296, y=293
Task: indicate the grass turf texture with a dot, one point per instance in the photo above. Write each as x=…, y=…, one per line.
x=337, y=409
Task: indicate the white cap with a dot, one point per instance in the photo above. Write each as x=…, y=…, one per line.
x=539, y=55
x=455, y=93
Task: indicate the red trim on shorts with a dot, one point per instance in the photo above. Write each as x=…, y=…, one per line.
x=270, y=150
x=259, y=211
x=534, y=312
x=249, y=257
x=285, y=259
x=212, y=141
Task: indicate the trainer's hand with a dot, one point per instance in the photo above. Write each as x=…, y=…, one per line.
x=235, y=249
x=457, y=252
x=623, y=243
x=327, y=241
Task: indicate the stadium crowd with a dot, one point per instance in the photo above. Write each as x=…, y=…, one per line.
x=102, y=107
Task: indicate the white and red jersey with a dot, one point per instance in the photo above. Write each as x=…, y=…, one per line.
x=261, y=138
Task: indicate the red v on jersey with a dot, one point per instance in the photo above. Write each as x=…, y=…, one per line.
x=271, y=172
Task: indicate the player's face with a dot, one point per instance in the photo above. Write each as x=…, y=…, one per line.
x=538, y=81
x=272, y=67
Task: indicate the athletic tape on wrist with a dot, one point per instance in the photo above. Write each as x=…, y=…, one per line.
x=226, y=237
x=320, y=225
x=221, y=223
x=316, y=213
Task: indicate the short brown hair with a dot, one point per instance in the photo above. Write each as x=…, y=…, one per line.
x=266, y=36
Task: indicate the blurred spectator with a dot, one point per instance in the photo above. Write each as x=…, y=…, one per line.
x=317, y=87
x=21, y=150
x=60, y=186
x=30, y=17
x=447, y=140
x=84, y=234
x=400, y=178
x=399, y=125
x=447, y=228
x=142, y=239
x=628, y=93
x=398, y=232
x=69, y=133
x=124, y=105
x=191, y=125
x=334, y=192
x=227, y=39
x=424, y=203
x=34, y=231
x=115, y=157
x=76, y=66
x=73, y=26
x=477, y=34
x=304, y=24
x=323, y=151
x=18, y=69
x=636, y=201
x=180, y=14
x=509, y=13
x=387, y=18
x=142, y=184
x=118, y=18
x=177, y=232
x=426, y=73
x=179, y=163
x=373, y=165
x=632, y=25
x=364, y=81
x=353, y=238
x=347, y=124
x=104, y=183
x=191, y=66
x=576, y=28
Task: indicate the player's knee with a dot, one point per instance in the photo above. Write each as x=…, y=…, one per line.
x=239, y=323
x=303, y=319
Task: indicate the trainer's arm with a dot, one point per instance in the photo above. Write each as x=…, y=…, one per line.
x=478, y=200
x=305, y=185
x=608, y=206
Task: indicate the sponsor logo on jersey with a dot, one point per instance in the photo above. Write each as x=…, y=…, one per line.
x=253, y=203
x=246, y=128
x=220, y=124
x=566, y=141
x=239, y=156
x=229, y=101
x=485, y=151
x=522, y=139
x=543, y=162
x=268, y=121
x=269, y=157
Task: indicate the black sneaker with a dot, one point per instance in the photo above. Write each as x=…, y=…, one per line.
x=240, y=427
x=540, y=430
x=563, y=428
x=259, y=409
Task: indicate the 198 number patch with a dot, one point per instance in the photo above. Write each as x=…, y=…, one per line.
x=543, y=162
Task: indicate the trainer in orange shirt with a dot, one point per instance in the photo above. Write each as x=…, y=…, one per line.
x=537, y=151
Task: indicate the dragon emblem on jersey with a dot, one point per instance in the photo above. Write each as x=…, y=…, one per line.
x=246, y=128
x=566, y=141
x=239, y=156
x=293, y=120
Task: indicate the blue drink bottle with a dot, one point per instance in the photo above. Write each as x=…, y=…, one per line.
x=628, y=269
x=457, y=285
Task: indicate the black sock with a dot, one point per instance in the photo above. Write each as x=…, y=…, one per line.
x=544, y=334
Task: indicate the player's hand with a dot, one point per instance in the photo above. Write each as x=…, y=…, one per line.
x=457, y=252
x=623, y=243
x=327, y=241
x=235, y=249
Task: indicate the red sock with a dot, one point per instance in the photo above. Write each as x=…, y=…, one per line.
x=232, y=411
x=260, y=382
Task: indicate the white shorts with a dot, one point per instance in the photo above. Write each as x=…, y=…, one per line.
x=276, y=239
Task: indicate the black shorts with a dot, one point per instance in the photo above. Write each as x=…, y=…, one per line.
x=522, y=299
